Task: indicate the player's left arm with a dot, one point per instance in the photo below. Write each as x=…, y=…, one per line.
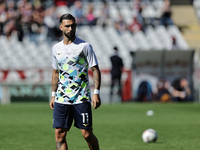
x=96, y=101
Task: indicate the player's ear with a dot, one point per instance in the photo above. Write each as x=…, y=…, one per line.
x=60, y=27
x=75, y=24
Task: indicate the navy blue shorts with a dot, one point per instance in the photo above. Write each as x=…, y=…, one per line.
x=64, y=115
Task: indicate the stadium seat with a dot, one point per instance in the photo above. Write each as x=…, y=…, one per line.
x=129, y=40
x=140, y=38
x=196, y=4
x=164, y=36
x=153, y=39
x=181, y=43
x=149, y=12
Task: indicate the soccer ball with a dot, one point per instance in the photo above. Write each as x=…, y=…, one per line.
x=150, y=113
x=149, y=135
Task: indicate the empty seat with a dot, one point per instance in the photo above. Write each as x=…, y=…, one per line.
x=153, y=39
x=181, y=43
x=164, y=36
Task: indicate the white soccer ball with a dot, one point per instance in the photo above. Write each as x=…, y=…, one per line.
x=150, y=113
x=149, y=135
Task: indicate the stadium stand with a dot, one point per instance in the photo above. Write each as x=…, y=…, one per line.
x=154, y=37
x=33, y=49
x=188, y=23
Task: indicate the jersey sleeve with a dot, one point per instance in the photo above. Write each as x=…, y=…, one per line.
x=54, y=61
x=91, y=57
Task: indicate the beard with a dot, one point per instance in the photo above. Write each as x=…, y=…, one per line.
x=70, y=35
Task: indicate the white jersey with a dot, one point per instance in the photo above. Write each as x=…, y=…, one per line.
x=73, y=61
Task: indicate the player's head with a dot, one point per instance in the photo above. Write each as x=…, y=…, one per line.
x=68, y=25
x=115, y=48
x=184, y=82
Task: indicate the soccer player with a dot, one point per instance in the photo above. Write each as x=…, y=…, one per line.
x=71, y=99
x=180, y=90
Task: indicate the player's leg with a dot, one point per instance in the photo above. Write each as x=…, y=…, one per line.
x=111, y=87
x=91, y=139
x=119, y=86
x=62, y=121
x=60, y=136
x=83, y=121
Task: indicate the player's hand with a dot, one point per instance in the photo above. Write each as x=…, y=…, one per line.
x=96, y=101
x=182, y=95
x=51, y=104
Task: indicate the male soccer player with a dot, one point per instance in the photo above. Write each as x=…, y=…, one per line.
x=70, y=85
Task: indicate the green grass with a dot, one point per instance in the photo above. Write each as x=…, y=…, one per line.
x=28, y=126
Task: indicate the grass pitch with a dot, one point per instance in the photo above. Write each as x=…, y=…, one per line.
x=28, y=126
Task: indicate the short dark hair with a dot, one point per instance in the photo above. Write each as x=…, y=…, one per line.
x=67, y=17
x=115, y=48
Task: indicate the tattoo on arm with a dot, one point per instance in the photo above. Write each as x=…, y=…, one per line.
x=55, y=80
x=55, y=84
x=96, y=77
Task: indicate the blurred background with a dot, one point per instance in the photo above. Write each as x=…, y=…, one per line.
x=158, y=41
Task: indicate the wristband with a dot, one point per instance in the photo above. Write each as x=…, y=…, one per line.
x=96, y=91
x=53, y=94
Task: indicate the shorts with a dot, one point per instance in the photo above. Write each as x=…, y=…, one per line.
x=64, y=115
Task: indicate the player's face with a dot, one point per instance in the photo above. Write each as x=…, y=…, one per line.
x=68, y=27
x=184, y=83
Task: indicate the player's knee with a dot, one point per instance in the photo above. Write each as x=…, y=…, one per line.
x=60, y=134
x=87, y=134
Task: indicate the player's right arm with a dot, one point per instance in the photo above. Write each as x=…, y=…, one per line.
x=55, y=79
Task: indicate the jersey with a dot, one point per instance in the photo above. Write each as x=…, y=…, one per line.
x=73, y=61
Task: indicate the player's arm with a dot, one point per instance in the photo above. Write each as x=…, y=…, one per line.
x=96, y=101
x=176, y=93
x=55, y=79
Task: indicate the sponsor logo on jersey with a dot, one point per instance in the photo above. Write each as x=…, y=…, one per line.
x=86, y=124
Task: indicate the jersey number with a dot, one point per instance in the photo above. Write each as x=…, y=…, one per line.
x=85, y=117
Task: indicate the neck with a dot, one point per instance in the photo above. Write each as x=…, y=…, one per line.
x=68, y=41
